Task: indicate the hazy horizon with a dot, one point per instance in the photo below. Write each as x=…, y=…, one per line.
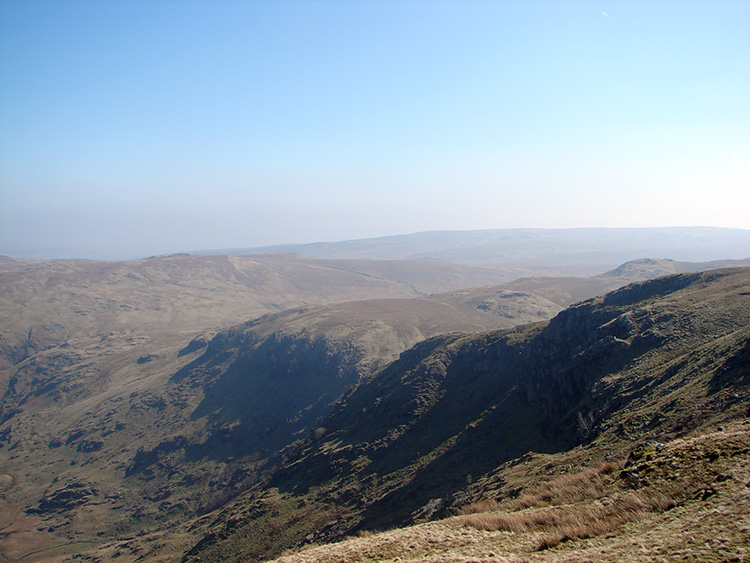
x=131, y=129
x=109, y=255
x=679, y=243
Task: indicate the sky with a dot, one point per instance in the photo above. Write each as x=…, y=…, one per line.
x=133, y=128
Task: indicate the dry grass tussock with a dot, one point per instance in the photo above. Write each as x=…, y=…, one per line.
x=572, y=487
x=573, y=507
x=588, y=484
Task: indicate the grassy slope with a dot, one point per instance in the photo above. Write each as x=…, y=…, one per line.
x=695, y=506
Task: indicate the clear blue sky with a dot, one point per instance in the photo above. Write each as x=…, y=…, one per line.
x=131, y=128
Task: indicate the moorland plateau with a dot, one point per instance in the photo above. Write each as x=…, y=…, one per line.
x=240, y=408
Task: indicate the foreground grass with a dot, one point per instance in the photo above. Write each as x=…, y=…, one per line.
x=691, y=502
x=575, y=506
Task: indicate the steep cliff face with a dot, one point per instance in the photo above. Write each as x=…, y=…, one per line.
x=595, y=357
x=558, y=370
x=446, y=422
x=260, y=390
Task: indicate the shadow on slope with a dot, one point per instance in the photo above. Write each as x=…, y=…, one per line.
x=453, y=408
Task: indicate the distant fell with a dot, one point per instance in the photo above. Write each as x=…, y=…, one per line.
x=649, y=268
x=579, y=252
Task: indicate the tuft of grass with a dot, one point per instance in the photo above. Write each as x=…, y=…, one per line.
x=572, y=487
x=487, y=505
x=587, y=484
x=593, y=520
x=569, y=508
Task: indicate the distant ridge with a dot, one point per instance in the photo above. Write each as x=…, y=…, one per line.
x=584, y=251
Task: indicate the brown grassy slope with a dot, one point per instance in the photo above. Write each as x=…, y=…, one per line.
x=695, y=507
x=460, y=419
x=65, y=315
x=103, y=423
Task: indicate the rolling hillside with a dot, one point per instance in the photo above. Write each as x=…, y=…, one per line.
x=122, y=393
x=46, y=303
x=137, y=431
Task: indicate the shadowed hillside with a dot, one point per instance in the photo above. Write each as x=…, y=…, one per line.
x=301, y=361
x=691, y=504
